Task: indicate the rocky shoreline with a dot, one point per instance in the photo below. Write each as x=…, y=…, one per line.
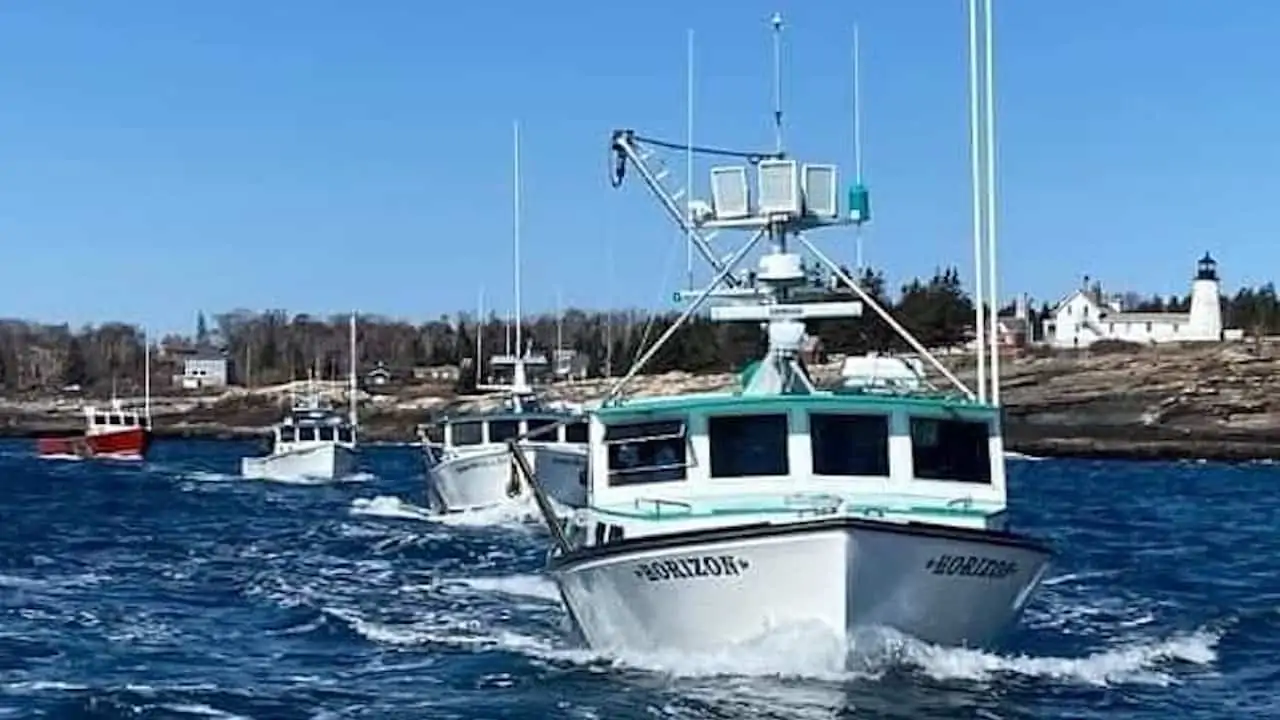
x=1216, y=403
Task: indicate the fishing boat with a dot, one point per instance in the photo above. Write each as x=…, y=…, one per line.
x=466, y=456
x=313, y=441
x=114, y=432
x=714, y=519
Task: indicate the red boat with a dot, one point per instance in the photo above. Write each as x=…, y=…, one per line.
x=113, y=432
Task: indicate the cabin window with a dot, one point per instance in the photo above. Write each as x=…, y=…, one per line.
x=615, y=533
x=850, y=445
x=503, y=430
x=306, y=434
x=99, y=419
x=344, y=435
x=326, y=434
x=748, y=445
x=575, y=432
x=539, y=424
x=467, y=433
x=599, y=534
x=288, y=435
x=646, y=452
x=956, y=450
x=435, y=434
x=115, y=420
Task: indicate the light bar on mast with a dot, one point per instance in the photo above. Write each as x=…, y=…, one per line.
x=769, y=313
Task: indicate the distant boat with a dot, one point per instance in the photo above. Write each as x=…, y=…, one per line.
x=313, y=441
x=114, y=432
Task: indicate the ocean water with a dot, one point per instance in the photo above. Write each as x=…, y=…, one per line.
x=177, y=590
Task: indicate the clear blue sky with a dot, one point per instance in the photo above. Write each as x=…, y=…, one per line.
x=158, y=157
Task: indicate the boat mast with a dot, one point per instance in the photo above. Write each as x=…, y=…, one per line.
x=479, y=335
x=146, y=378
x=777, y=82
x=519, y=382
x=688, y=161
x=857, y=143
x=991, y=209
x=975, y=162
x=351, y=371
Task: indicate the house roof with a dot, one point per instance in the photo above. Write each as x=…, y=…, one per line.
x=1145, y=317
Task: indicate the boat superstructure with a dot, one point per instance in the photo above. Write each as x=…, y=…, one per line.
x=468, y=465
x=715, y=518
x=313, y=442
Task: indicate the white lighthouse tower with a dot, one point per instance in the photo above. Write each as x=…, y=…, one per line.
x=1205, y=321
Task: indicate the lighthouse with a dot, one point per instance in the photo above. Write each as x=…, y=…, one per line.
x=1205, y=317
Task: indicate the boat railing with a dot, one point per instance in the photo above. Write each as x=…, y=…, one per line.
x=659, y=503
x=818, y=504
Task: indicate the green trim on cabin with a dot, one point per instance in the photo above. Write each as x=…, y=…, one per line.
x=672, y=511
x=737, y=402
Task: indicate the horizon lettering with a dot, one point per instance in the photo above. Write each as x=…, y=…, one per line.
x=971, y=566
x=692, y=567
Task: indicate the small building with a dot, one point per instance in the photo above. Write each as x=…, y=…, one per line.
x=203, y=369
x=378, y=376
x=1086, y=316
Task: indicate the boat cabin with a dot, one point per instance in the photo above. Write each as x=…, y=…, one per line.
x=908, y=457
x=101, y=421
x=467, y=431
x=314, y=427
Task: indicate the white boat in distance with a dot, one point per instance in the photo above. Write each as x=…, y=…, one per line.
x=715, y=519
x=313, y=442
x=467, y=458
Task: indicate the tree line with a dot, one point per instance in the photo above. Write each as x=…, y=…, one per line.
x=276, y=346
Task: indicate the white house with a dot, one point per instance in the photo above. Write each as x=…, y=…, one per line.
x=1085, y=317
x=204, y=369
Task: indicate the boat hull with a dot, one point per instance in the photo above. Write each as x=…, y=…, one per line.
x=318, y=463
x=484, y=478
x=127, y=444
x=709, y=590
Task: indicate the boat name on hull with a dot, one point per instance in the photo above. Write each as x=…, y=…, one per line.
x=692, y=567
x=971, y=566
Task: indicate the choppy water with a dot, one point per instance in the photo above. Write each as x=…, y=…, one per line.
x=177, y=590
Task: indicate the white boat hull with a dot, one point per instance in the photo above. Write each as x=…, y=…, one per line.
x=710, y=590
x=484, y=478
x=317, y=463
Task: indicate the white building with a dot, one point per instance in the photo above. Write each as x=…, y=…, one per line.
x=1085, y=317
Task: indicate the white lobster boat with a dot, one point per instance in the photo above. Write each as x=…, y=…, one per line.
x=468, y=462
x=714, y=519
x=313, y=442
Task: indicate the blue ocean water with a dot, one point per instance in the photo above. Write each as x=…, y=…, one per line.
x=177, y=590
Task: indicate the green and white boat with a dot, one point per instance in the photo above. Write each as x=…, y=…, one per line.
x=714, y=519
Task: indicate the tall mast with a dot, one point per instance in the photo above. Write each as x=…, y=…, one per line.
x=975, y=162
x=991, y=208
x=777, y=82
x=688, y=161
x=351, y=371
x=857, y=141
x=479, y=335
x=515, y=132
x=146, y=377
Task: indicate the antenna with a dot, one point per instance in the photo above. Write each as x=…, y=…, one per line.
x=777, y=81
x=351, y=379
x=146, y=377
x=688, y=162
x=515, y=135
x=857, y=140
x=975, y=167
x=991, y=208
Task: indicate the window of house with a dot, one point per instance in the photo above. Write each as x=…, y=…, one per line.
x=306, y=433
x=538, y=424
x=956, y=450
x=646, y=452
x=467, y=433
x=503, y=430
x=851, y=445
x=575, y=432
x=345, y=435
x=748, y=445
x=1148, y=327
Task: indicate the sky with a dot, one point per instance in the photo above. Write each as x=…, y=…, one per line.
x=158, y=159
